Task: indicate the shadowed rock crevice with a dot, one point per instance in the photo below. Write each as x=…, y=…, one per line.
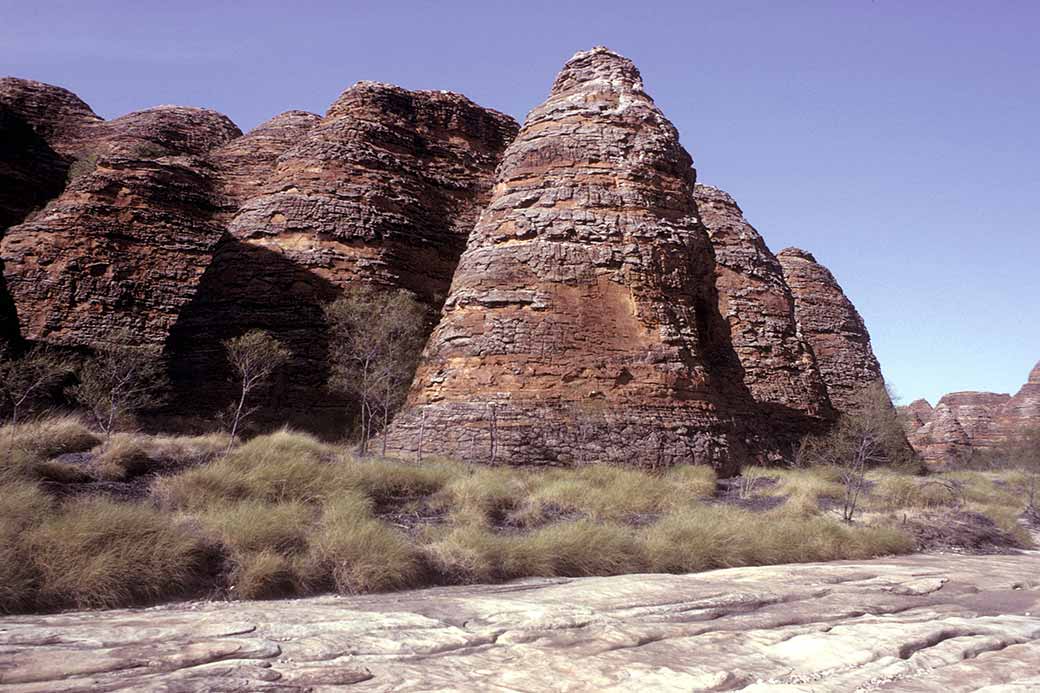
x=245, y=287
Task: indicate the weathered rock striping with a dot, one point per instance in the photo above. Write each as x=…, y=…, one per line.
x=832, y=327
x=962, y=423
x=779, y=368
x=579, y=325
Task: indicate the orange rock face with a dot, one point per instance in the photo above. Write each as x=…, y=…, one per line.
x=582, y=323
x=177, y=231
x=1022, y=412
x=121, y=251
x=383, y=190
x=596, y=304
x=39, y=124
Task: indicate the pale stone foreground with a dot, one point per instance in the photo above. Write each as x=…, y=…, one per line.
x=918, y=623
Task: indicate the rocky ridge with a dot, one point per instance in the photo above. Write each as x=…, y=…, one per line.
x=965, y=422
x=779, y=367
x=594, y=297
x=831, y=326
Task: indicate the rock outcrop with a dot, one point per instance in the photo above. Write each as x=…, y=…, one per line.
x=120, y=253
x=245, y=164
x=963, y=423
x=39, y=129
x=1022, y=412
x=908, y=624
x=382, y=190
x=832, y=327
x=779, y=369
x=582, y=323
x=605, y=308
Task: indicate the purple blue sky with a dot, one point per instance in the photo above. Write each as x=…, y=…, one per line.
x=898, y=141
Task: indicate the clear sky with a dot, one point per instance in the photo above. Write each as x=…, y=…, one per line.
x=898, y=141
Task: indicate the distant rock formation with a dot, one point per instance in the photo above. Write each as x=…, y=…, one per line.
x=965, y=422
x=832, y=327
x=1022, y=412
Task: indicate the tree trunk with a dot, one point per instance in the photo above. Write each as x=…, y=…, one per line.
x=234, y=421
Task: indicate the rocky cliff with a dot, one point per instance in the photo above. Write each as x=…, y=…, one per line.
x=382, y=190
x=966, y=422
x=584, y=319
x=779, y=367
x=831, y=326
x=595, y=303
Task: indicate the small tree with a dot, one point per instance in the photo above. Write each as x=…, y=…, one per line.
x=25, y=379
x=870, y=434
x=1023, y=452
x=119, y=382
x=376, y=340
x=254, y=356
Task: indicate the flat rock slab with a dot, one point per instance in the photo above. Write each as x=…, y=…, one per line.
x=916, y=623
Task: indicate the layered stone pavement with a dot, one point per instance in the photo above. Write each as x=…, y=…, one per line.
x=917, y=623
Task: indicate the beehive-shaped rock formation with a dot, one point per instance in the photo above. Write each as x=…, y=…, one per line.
x=582, y=322
x=832, y=327
x=779, y=369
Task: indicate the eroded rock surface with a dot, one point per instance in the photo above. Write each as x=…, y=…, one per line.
x=779, y=369
x=39, y=128
x=1022, y=412
x=964, y=422
x=919, y=623
x=173, y=230
x=832, y=327
x=582, y=323
x=382, y=190
x=121, y=251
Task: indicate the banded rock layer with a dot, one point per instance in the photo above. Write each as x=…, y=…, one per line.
x=176, y=231
x=832, y=327
x=962, y=423
x=779, y=368
x=120, y=252
x=606, y=308
x=582, y=322
x=382, y=190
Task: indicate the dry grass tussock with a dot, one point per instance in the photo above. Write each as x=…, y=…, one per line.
x=46, y=438
x=285, y=514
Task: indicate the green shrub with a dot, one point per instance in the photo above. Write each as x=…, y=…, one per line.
x=47, y=437
x=581, y=548
x=708, y=537
x=265, y=574
x=253, y=525
x=122, y=456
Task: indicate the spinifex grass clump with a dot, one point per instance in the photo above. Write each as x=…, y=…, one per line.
x=286, y=514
